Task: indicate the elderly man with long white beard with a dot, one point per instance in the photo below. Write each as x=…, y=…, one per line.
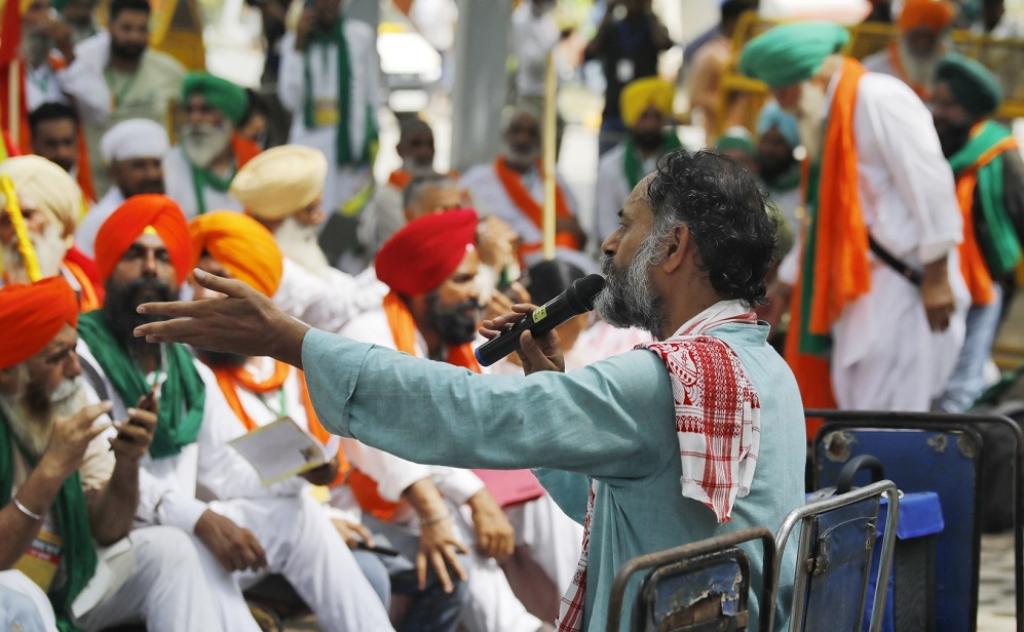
x=38, y=232
x=198, y=172
x=69, y=487
x=282, y=188
x=914, y=56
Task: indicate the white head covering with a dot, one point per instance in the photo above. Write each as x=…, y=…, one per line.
x=134, y=138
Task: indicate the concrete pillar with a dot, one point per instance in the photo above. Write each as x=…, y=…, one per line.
x=481, y=54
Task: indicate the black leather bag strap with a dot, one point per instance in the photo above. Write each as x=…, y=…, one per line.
x=864, y=461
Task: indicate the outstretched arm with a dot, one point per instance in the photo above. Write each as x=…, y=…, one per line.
x=608, y=420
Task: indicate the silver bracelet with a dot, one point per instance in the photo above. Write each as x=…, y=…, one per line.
x=28, y=512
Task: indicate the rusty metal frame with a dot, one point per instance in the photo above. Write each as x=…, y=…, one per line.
x=687, y=551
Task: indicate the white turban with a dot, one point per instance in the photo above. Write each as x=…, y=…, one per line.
x=280, y=181
x=45, y=187
x=134, y=138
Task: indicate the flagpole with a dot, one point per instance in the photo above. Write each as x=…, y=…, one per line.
x=550, y=140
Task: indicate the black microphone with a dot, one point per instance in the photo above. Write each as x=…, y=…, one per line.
x=577, y=299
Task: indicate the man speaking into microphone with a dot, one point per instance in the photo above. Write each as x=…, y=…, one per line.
x=692, y=436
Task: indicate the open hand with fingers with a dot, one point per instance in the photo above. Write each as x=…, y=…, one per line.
x=244, y=322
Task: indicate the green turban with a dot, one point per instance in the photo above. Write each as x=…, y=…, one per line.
x=790, y=54
x=227, y=97
x=973, y=85
x=736, y=140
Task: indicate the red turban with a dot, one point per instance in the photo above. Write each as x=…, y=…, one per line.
x=418, y=258
x=131, y=219
x=31, y=315
x=934, y=15
x=242, y=245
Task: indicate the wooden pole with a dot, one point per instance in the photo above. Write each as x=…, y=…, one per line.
x=550, y=138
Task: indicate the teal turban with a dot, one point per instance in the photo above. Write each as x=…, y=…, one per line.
x=791, y=54
x=973, y=85
x=227, y=97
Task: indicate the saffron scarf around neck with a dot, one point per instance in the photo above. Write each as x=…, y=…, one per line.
x=632, y=162
x=836, y=268
x=77, y=553
x=978, y=167
x=230, y=379
x=182, y=394
x=512, y=182
x=344, y=155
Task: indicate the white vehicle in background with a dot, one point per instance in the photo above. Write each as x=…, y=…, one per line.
x=410, y=66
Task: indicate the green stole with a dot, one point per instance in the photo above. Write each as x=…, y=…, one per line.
x=202, y=178
x=814, y=344
x=632, y=162
x=182, y=395
x=785, y=182
x=77, y=552
x=343, y=133
x=999, y=245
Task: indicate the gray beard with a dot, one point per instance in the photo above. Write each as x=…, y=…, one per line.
x=920, y=70
x=202, y=144
x=30, y=428
x=50, y=250
x=520, y=158
x=417, y=170
x=299, y=243
x=629, y=298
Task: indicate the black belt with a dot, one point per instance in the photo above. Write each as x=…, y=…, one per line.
x=910, y=274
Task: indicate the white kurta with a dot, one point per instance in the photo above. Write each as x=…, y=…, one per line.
x=342, y=182
x=543, y=533
x=490, y=198
x=533, y=38
x=179, y=186
x=384, y=216
x=296, y=533
x=884, y=355
x=79, y=83
x=329, y=302
x=613, y=188
x=85, y=235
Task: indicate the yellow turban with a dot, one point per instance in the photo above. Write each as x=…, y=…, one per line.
x=280, y=181
x=641, y=94
x=242, y=245
x=45, y=187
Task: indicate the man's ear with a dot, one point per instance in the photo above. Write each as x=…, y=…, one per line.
x=678, y=245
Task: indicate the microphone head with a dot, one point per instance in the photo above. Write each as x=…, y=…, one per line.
x=582, y=292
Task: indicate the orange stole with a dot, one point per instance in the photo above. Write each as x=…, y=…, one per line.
x=244, y=150
x=403, y=331
x=513, y=186
x=400, y=178
x=972, y=261
x=88, y=299
x=229, y=379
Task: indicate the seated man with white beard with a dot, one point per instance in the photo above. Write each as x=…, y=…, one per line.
x=512, y=187
x=193, y=479
x=282, y=188
x=50, y=203
x=384, y=214
x=133, y=151
x=68, y=490
x=198, y=172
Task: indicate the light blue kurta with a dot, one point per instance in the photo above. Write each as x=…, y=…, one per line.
x=612, y=420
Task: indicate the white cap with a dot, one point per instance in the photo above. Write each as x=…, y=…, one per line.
x=134, y=138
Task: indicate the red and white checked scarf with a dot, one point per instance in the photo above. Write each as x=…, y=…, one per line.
x=718, y=424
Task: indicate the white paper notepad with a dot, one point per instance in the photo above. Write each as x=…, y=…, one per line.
x=282, y=449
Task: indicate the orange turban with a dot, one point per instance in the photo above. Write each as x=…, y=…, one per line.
x=139, y=213
x=419, y=257
x=242, y=245
x=934, y=15
x=31, y=315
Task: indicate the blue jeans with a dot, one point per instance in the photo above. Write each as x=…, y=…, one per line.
x=968, y=380
x=376, y=573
